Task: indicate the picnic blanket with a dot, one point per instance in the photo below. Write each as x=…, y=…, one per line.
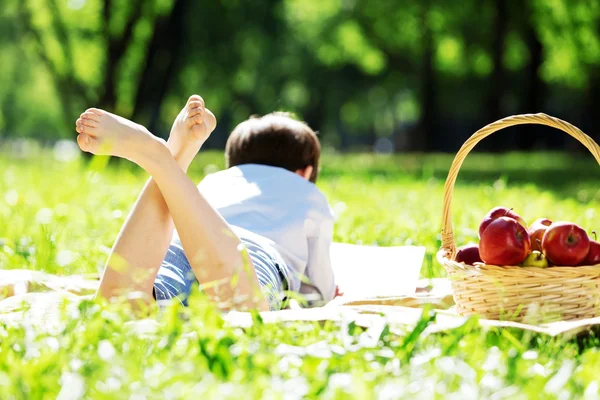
x=38, y=297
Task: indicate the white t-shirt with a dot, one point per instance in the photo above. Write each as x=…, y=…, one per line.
x=285, y=208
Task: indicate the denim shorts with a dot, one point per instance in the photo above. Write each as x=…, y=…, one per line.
x=176, y=279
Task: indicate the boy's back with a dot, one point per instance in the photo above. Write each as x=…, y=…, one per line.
x=281, y=206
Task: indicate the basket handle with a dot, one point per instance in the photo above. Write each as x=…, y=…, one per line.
x=448, y=244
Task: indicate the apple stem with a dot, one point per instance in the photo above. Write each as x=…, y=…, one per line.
x=595, y=236
x=507, y=211
x=539, y=242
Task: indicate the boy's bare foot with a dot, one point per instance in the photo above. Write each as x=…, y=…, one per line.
x=190, y=130
x=103, y=133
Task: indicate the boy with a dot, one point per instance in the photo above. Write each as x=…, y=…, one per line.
x=265, y=200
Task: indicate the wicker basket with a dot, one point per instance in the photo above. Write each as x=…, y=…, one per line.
x=512, y=292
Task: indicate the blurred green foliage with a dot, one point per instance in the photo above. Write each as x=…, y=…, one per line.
x=421, y=74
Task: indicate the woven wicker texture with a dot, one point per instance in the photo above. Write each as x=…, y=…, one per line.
x=512, y=292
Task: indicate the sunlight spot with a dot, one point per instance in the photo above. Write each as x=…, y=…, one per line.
x=75, y=364
x=139, y=275
x=200, y=257
x=117, y=214
x=390, y=391
x=20, y=288
x=538, y=369
x=106, y=351
x=491, y=382
x=113, y=384
x=416, y=387
x=298, y=386
x=104, y=249
x=154, y=372
x=11, y=197
x=286, y=350
x=425, y=357
x=7, y=249
x=590, y=213
x=73, y=386
x=65, y=257
x=386, y=353
x=319, y=350
x=499, y=185
x=93, y=177
x=118, y=263
x=210, y=169
x=66, y=150
x=53, y=343
x=339, y=208
x=530, y=355
x=591, y=391
x=44, y=216
x=75, y=4
x=560, y=379
x=228, y=233
x=341, y=380
x=446, y=364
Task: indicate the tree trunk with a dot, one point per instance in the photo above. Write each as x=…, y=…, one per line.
x=420, y=137
x=533, y=136
x=115, y=49
x=161, y=63
x=497, y=79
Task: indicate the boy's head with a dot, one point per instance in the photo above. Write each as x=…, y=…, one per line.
x=277, y=140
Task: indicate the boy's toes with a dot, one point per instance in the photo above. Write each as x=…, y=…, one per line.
x=87, y=143
x=90, y=116
x=203, y=128
x=192, y=105
x=80, y=126
x=195, y=111
x=82, y=129
x=90, y=123
x=196, y=119
x=195, y=98
x=95, y=111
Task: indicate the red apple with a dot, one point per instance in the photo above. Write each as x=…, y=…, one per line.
x=593, y=255
x=565, y=243
x=468, y=254
x=498, y=212
x=536, y=232
x=504, y=242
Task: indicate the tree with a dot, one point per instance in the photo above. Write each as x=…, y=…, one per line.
x=104, y=38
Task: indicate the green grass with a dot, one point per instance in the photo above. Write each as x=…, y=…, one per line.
x=62, y=217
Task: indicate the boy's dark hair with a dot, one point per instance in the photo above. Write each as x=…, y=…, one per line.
x=277, y=140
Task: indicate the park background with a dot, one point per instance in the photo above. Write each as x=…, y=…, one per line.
x=414, y=77
x=385, y=75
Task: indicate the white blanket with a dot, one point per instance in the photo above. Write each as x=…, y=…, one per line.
x=370, y=271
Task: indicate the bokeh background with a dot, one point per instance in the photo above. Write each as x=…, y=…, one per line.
x=383, y=75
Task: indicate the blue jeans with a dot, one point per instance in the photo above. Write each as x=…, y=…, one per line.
x=175, y=277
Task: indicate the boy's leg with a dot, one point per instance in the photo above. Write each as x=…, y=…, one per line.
x=144, y=238
x=209, y=243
